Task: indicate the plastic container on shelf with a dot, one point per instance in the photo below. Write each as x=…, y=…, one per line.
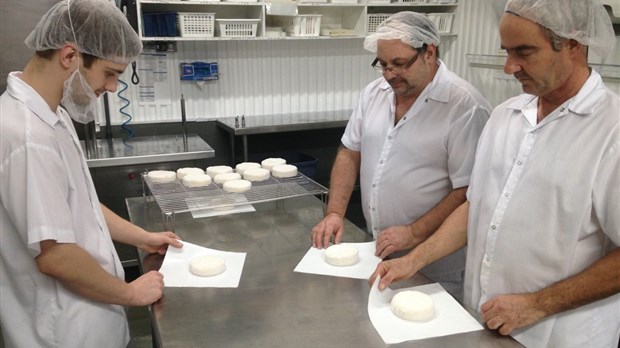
x=374, y=19
x=301, y=25
x=443, y=21
x=241, y=1
x=414, y=1
x=343, y=1
x=160, y=24
x=237, y=27
x=371, y=2
x=196, y=24
x=310, y=1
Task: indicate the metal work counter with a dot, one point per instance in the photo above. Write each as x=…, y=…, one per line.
x=141, y=150
x=244, y=126
x=273, y=306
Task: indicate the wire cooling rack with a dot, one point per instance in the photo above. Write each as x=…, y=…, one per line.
x=174, y=197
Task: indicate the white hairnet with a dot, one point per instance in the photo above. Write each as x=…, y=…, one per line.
x=585, y=21
x=97, y=27
x=412, y=28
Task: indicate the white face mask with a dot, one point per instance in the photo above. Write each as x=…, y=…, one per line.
x=79, y=99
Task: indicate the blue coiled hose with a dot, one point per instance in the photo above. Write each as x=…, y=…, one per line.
x=126, y=103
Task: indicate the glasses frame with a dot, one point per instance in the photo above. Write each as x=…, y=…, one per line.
x=399, y=69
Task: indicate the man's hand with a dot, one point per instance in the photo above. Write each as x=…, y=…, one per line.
x=331, y=225
x=506, y=313
x=147, y=289
x=393, y=239
x=158, y=242
x=393, y=270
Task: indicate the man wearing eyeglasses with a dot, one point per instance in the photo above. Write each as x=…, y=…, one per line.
x=412, y=140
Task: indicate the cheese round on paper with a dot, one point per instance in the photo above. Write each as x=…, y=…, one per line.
x=269, y=163
x=413, y=305
x=222, y=178
x=242, y=167
x=215, y=170
x=162, y=176
x=256, y=174
x=341, y=255
x=284, y=171
x=207, y=265
x=196, y=180
x=181, y=172
x=237, y=186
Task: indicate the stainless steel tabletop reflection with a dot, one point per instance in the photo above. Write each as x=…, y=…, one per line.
x=142, y=150
x=273, y=305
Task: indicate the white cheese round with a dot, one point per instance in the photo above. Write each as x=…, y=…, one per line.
x=222, y=178
x=162, y=176
x=181, y=172
x=196, y=180
x=269, y=163
x=242, y=167
x=215, y=170
x=413, y=306
x=256, y=174
x=207, y=265
x=341, y=255
x=237, y=186
x=284, y=171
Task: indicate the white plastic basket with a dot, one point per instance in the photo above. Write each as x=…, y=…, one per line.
x=237, y=27
x=301, y=25
x=343, y=1
x=195, y=24
x=414, y=1
x=374, y=19
x=378, y=1
x=443, y=21
x=306, y=1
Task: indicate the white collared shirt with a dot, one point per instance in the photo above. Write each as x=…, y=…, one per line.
x=46, y=192
x=407, y=168
x=544, y=205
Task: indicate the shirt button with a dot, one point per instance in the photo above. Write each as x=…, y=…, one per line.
x=426, y=100
x=488, y=258
x=519, y=162
x=506, y=194
x=373, y=185
x=389, y=137
x=373, y=209
x=493, y=227
x=381, y=161
x=562, y=109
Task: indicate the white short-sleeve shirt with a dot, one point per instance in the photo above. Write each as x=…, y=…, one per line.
x=46, y=192
x=544, y=205
x=407, y=168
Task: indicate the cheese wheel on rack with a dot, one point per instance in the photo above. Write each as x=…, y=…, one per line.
x=222, y=178
x=207, y=265
x=256, y=174
x=413, y=305
x=215, y=170
x=341, y=255
x=162, y=176
x=196, y=180
x=242, y=167
x=237, y=186
x=269, y=163
x=181, y=172
x=284, y=171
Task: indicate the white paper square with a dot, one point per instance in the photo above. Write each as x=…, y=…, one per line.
x=314, y=262
x=175, y=267
x=450, y=317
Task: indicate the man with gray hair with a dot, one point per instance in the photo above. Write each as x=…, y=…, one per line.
x=541, y=222
x=62, y=282
x=412, y=139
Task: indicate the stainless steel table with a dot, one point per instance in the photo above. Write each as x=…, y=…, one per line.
x=249, y=125
x=273, y=306
x=140, y=150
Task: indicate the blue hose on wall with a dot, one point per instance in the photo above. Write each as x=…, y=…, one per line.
x=126, y=102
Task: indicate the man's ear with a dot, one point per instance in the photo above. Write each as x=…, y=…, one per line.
x=69, y=56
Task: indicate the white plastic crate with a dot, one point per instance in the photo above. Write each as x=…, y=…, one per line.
x=195, y=24
x=301, y=25
x=343, y=1
x=378, y=1
x=443, y=21
x=306, y=1
x=374, y=19
x=237, y=27
x=414, y=1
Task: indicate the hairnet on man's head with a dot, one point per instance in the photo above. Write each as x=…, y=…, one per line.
x=97, y=27
x=585, y=21
x=412, y=28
